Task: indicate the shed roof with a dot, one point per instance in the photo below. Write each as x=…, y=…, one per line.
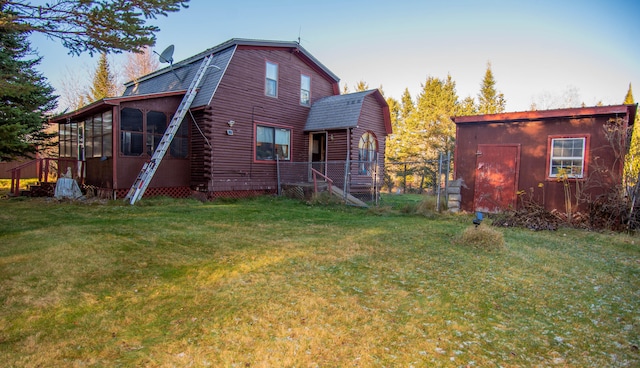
x=341, y=111
x=550, y=114
x=179, y=75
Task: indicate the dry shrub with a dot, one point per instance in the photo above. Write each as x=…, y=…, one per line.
x=481, y=237
x=380, y=210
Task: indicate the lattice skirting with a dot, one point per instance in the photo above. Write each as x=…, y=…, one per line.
x=175, y=192
x=240, y=193
x=186, y=192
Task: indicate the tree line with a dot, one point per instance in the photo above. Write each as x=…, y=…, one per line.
x=422, y=126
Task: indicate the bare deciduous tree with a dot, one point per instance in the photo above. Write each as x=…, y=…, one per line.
x=140, y=63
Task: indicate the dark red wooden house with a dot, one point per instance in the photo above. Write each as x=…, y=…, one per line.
x=260, y=102
x=536, y=153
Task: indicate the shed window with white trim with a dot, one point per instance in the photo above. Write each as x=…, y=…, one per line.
x=567, y=157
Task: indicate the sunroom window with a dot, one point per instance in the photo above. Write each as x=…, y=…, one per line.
x=131, y=132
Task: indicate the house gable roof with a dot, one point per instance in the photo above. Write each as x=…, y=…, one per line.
x=179, y=75
x=343, y=111
x=549, y=114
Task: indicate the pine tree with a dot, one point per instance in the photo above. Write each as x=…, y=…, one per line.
x=467, y=107
x=429, y=128
x=104, y=84
x=361, y=86
x=628, y=98
x=490, y=101
x=407, y=104
x=88, y=25
x=632, y=159
x=25, y=96
x=392, y=140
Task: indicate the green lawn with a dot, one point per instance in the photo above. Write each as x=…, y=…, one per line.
x=272, y=282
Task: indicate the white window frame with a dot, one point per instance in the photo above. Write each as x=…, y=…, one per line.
x=566, y=158
x=305, y=90
x=271, y=79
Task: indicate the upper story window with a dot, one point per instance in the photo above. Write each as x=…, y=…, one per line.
x=305, y=90
x=567, y=157
x=271, y=82
x=272, y=142
x=367, y=153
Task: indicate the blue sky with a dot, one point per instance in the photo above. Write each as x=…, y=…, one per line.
x=538, y=49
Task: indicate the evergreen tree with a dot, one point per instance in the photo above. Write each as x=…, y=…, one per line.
x=400, y=141
x=90, y=25
x=429, y=129
x=632, y=159
x=25, y=96
x=361, y=86
x=467, y=107
x=628, y=98
x=490, y=101
x=392, y=140
x=407, y=104
x=104, y=84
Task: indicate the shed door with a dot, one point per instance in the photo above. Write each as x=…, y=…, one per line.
x=496, y=177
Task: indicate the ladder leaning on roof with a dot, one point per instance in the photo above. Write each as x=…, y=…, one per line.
x=149, y=168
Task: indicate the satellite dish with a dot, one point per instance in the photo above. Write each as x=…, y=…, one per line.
x=167, y=55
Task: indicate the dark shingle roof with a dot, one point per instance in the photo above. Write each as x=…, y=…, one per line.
x=179, y=76
x=336, y=112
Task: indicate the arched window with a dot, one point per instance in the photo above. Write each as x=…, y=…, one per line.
x=367, y=153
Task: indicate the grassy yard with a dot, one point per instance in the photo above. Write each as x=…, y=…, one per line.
x=277, y=283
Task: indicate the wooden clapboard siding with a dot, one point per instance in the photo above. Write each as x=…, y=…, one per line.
x=241, y=98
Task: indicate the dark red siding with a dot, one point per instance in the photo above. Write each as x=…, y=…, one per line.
x=532, y=135
x=172, y=172
x=371, y=120
x=241, y=98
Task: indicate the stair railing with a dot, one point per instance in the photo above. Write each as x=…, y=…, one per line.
x=43, y=168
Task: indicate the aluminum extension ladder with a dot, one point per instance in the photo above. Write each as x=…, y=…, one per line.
x=149, y=168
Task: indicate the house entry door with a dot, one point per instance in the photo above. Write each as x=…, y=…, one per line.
x=496, y=179
x=318, y=148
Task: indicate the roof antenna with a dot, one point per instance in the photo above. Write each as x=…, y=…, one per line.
x=167, y=57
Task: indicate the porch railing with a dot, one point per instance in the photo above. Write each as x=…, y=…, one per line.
x=317, y=173
x=46, y=169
